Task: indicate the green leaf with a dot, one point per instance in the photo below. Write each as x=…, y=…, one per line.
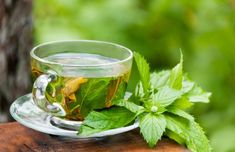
x=106, y=119
x=85, y=131
x=176, y=76
x=92, y=95
x=166, y=95
x=204, y=97
x=176, y=124
x=139, y=90
x=197, y=141
x=144, y=71
x=159, y=79
x=190, y=131
x=182, y=103
x=197, y=94
x=187, y=86
x=152, y=128
x=130, y=106
x=120, y=92
x=174, y=136
x=179, y=112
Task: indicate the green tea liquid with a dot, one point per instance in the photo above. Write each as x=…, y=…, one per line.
x=81, y=92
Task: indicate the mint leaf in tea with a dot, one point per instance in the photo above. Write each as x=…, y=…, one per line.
x=84, y=89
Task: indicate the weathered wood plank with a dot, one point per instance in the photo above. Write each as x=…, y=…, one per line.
x=15, y=137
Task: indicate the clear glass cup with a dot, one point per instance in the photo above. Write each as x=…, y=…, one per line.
x=73, y=78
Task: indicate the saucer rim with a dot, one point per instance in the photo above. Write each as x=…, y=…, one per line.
x=66, y=133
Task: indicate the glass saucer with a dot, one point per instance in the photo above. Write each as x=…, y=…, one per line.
x=28, y=114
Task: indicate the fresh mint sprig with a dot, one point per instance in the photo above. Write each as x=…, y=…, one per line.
x=158, y=103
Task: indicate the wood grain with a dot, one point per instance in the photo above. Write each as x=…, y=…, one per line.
x=15, y=137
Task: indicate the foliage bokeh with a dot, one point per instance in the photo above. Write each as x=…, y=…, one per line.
x=204, y=30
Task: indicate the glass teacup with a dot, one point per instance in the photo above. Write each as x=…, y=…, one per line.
x=72, y=78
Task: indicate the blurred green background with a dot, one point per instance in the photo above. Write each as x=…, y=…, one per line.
x=203, y=29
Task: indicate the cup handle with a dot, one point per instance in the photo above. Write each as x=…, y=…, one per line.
x=39, y=98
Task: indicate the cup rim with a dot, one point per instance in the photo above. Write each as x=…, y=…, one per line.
x=33, y=55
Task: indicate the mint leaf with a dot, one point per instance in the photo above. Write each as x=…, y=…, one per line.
x=190, y=131
x=174, y=136
x=92, y=95
x=110, y=118
x=176, y=76
x=115, y=92
x=198, y=95
x=144, y=71
x=139, y=90
x=130, y=106
x=85, y=131
x=166, y=95
x=197, y=141
x=204, y=97
x=152, y=128
x=182, y=103
x=179, y=112
x=162, y=78
x=159, y=79
x=187, y=86
x=176, y=124
x=106, y=119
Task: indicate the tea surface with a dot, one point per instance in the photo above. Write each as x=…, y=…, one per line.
x=80, y=59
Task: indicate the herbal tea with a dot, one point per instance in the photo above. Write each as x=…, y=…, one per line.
x=79, y=93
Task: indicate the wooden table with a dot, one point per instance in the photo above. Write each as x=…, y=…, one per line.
x=15, y=137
